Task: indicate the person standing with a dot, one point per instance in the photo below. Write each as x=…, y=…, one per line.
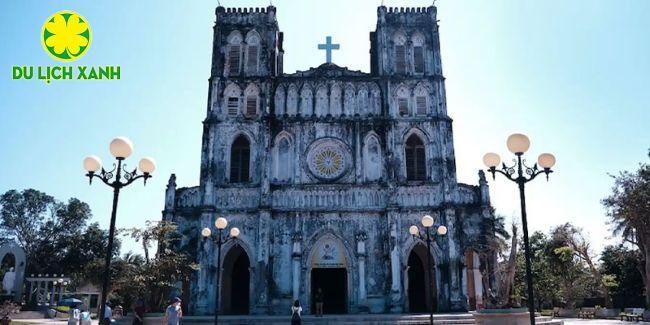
x=138, y=312
x=295, y=313
x=318, y=298
x=74, y=317
x=173, y=313
x=108, y=314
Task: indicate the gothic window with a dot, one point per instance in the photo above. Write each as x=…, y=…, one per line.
x=252, y=99
x=252, y=55
x=233, y=106
x=372, y=166
x=349, y=100
x=400, y=59
x=240, y=160
x=306, y=101
x=400, y=54
x=421, y=105
x=283, y=158
x=231, y=99
x=418, y=59
x=362, y=101
x=292, y=100
x=415, y=159
x=321, y=101
x=375, y=100
x=234, y=53
x=403, y=101
x=418, y=54
x=421, y=100
x=335, y=100
x=279, y=101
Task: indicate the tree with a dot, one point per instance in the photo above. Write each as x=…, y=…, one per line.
x=545, y=284
x=53, y=234
x=573, y=238
x=623, y=264
x=155, y=278
x=628, y=208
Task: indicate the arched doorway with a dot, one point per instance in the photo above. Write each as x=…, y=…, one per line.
x=419, y=291
x=474, y=280
x=235, y=291
x=329, y=273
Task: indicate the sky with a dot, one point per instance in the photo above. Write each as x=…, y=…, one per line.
x=572, y=75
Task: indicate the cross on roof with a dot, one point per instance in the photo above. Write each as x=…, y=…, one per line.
x=328, y=47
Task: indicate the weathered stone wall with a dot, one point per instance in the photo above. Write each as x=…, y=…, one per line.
x=292, y=202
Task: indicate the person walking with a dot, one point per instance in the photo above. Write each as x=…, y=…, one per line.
x=173, y=313
x=138, y=312
x=295, y=313
x=74, y=316
x=108, y=313
x=318, y=298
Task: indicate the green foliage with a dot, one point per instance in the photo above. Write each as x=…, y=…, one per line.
x=625, y=266
x=628, y=208
x=155, y=278
x=54, y=235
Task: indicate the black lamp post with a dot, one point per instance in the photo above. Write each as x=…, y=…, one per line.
x=427, y=222
x=521, y=174
x=117, y=178
x=221, y=224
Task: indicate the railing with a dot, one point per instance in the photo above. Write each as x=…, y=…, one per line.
x=324, y=198
x=188, y=197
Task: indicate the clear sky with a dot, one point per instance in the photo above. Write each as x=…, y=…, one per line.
x=573, y=75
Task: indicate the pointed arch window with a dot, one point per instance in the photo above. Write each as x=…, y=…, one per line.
x=240, y=160
x=415, y=159
x=403, y=101
x=252, y=55
x=400, y=54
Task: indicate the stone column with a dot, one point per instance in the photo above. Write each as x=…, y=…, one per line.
x=261, y=289
x=361, y=255
x=296, y=256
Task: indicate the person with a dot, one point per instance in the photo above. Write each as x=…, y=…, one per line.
x=295, y=313
x=108, y=314
x=85, y=318
x=138, y=312
x=173, y=313
x=319, y=302
x=74, y=316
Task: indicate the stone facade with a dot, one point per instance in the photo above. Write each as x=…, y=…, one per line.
x=326, y=169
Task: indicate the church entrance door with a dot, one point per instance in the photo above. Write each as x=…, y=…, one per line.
x=236, y=282
x=333, y=283
x=418, y=282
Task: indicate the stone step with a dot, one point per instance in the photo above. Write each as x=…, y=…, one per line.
x=371, y=319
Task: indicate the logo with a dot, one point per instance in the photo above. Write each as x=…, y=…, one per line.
x=66, y=36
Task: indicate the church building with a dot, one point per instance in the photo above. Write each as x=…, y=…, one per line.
x=324, y=171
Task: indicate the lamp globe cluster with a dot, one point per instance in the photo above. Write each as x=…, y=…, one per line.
x=121, y=148
x=518, y=144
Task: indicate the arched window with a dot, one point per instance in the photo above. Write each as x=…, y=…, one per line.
x=306, y=101
x=372, y=166
x=375, y=100
x=349, y=105
x=400, y=53
x=231, y=99
x=421, y=100
x=252, y=54
x=283, y=159
x=240, y=157
x=402, y=99
x=234, y=53
x=416, y=169
x=418, y=53
x=279, y=101
x=252, y=100
x=321, y=101
x=363, y=105
x=335, y=100
x=292, y=100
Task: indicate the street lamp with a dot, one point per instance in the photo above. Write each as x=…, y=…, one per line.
x=221, y=223
x=121, y=148
x=427, y=222
x=520, y=173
